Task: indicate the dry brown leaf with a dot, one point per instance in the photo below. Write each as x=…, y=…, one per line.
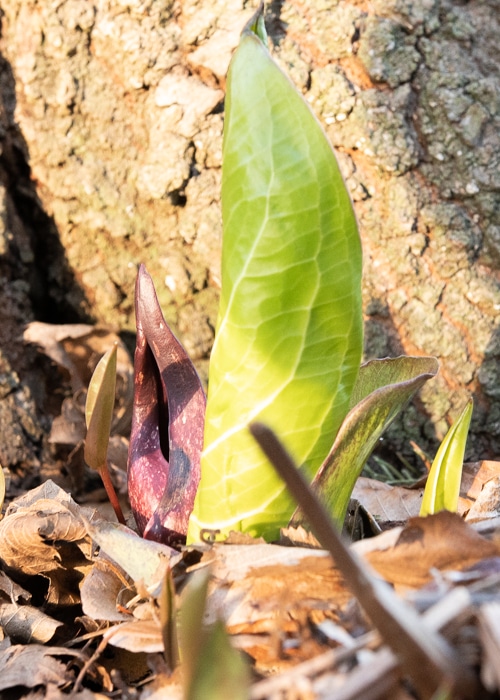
x=442, y=541
x=389, y=505
x=77, y=349
x=136, y=636
x=487, y=504
x=475, y=475
x=394, y=505
x=253, y=587
x=100, y=592
x=33, y=665
x=43, y=534
x=27, y=624
x=143, y=560
x=48, y=490
x=163, y=687
x=50, y=338
x=12, y=591
x=31, y=536
x=298, y=537
x=386, y=540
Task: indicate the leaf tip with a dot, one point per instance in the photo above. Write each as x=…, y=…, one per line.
x=256, y=25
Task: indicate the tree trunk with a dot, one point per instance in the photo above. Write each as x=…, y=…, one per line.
x=112, y=121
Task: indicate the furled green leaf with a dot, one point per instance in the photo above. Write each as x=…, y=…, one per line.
x=443, y=483
x=99, y=410
x=212, y=668
x=289, y=333
x=382, y=389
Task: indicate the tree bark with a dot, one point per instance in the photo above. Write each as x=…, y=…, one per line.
x=111, y=132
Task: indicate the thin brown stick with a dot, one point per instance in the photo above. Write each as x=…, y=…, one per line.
x=424, y=655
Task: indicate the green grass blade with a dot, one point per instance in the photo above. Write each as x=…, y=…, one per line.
x=289, y=334
x=443, y=483
x=99, y=410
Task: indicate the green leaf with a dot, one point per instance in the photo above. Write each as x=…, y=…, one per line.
x=383, y=388
x=221, y=671
x=99, y=410
x=443, y=483
x=289, y=333
x=212, y=668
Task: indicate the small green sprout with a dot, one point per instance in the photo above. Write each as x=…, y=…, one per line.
x=443, y=483
x=212, y=668
x=98, y=417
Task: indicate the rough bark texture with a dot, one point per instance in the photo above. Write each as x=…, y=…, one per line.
x=111, y=145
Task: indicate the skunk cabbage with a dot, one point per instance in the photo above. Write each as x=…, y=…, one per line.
x=167, y=425
x=289, y=333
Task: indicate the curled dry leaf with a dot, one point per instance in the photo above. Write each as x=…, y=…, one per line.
x=389, y=505
x=442, y=541
x=78, y=348
x=475, y=475
x=101, y=591
x=144, y=561
x=167, y=425
x=487, y=504
x=136, y=636
x=27, y=624
x=28, y=538
x=34, y=665
x=393, y=505
x=12, y=591
x=48, y=490
x=56, y=340
x=46, y=536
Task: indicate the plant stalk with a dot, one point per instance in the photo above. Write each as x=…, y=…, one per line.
x=110, y=490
